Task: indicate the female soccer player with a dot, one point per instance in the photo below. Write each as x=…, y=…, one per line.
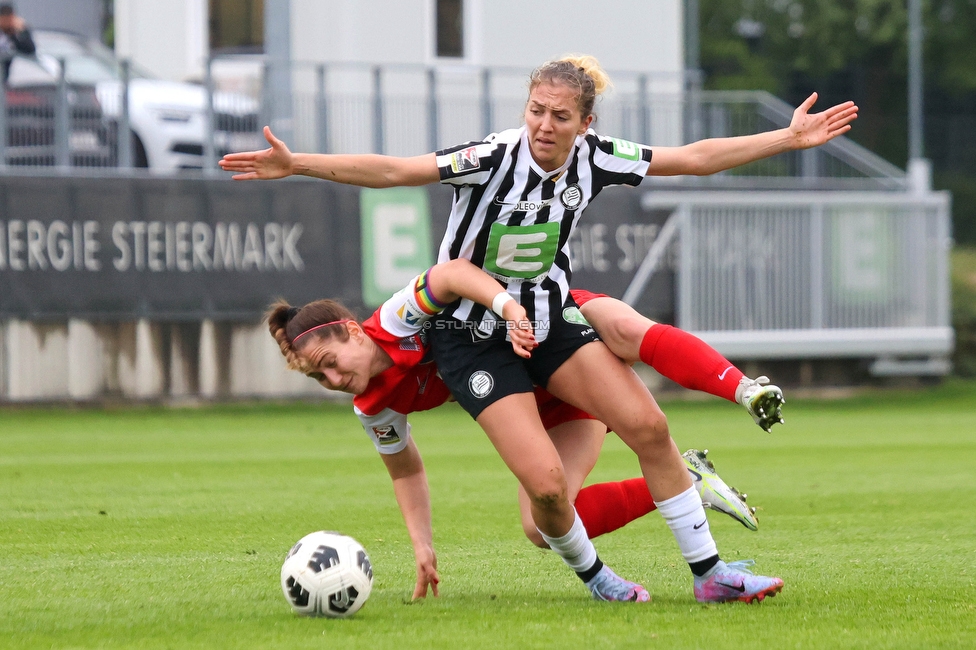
x=389, y=349
x=518, y=197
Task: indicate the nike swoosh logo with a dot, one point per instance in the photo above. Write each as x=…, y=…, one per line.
x=697, y=526
x=524, y=206
x=739, y=588
x=724, y=372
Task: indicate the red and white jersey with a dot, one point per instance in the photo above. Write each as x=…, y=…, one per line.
x=410, y=384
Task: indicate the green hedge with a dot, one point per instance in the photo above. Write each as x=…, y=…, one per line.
x=964, y=309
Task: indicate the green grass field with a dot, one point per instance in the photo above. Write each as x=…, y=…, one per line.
x=166, y=528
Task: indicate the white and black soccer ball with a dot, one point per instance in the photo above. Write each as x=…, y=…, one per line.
x=327, y=574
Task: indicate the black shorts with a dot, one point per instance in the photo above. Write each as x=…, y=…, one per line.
x=480, y=369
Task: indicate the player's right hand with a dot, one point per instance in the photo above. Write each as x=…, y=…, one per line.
x=519, y=329
x=273, y=162
x=426, y=572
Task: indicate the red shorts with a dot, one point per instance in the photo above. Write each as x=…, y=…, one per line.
x=582, y=296
x=554, y=411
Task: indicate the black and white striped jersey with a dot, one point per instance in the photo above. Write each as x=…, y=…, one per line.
x=514, y=220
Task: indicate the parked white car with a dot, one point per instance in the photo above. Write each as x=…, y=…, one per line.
x=167, y=118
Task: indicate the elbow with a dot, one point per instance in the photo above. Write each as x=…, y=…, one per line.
x=699, y=165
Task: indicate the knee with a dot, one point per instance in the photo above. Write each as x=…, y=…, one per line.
x=548, y=492
x=651, y=429
x=624, y=336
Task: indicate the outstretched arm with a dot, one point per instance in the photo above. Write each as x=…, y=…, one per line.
x=406, y=468
x=364, y=170
x=718, y=154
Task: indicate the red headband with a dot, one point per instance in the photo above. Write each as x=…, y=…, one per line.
x=318, y=327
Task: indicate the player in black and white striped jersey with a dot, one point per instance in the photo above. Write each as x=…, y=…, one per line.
x=519, y=196
x=513, y=218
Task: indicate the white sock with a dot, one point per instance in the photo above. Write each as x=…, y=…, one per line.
x=575, y=547
x=685, y=517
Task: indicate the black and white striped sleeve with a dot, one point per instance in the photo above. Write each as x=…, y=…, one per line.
x=467, y=164
x=618, y=162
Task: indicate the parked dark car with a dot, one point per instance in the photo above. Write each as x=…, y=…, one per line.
x=31, y=99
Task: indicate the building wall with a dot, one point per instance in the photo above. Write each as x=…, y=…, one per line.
x=79, y=16
x=170, y=38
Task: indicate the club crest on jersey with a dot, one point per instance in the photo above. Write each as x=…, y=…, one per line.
x=410, y=344
x=386, y=435
x=572, y=197
x=465, y=160
x=480, y=384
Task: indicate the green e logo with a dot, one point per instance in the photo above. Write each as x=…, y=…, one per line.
x=625, y=149
x=525, y=252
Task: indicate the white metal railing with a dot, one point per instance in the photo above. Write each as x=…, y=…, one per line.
x=413, y=109
x=811, y=274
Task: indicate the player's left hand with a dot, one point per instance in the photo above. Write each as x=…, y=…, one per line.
x=814, y=129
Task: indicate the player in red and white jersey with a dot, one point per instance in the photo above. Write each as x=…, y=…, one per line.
x=407, y=382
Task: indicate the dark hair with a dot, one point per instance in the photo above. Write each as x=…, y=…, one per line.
x=286, y=323
x=582, y=73
x=6, y=9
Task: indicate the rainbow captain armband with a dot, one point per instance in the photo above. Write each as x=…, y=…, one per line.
x=407, y=311
x=424, y=298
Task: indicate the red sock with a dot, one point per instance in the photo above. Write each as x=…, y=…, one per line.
x=605, y=507
x=689, y=361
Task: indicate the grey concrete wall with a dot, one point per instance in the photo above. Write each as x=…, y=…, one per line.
x=82, y=361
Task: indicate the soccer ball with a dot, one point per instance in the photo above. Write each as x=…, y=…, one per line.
x=327, y=574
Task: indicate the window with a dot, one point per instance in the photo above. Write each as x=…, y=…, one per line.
x=450, y=28
x=237, y=25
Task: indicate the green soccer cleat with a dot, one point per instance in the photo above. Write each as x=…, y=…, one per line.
x=763, y=401
x=714, y=493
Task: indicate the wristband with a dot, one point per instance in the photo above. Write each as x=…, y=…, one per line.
x=499, y=302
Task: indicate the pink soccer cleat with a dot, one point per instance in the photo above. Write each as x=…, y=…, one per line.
x=733, y=581
x=607, y=585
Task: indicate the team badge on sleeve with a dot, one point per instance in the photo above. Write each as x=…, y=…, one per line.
x=465, y=160
x=386, y=435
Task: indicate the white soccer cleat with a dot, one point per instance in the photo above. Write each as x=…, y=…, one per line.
x=607, y=585
x=763, y=400
x=734, y=581
x=714, y=493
